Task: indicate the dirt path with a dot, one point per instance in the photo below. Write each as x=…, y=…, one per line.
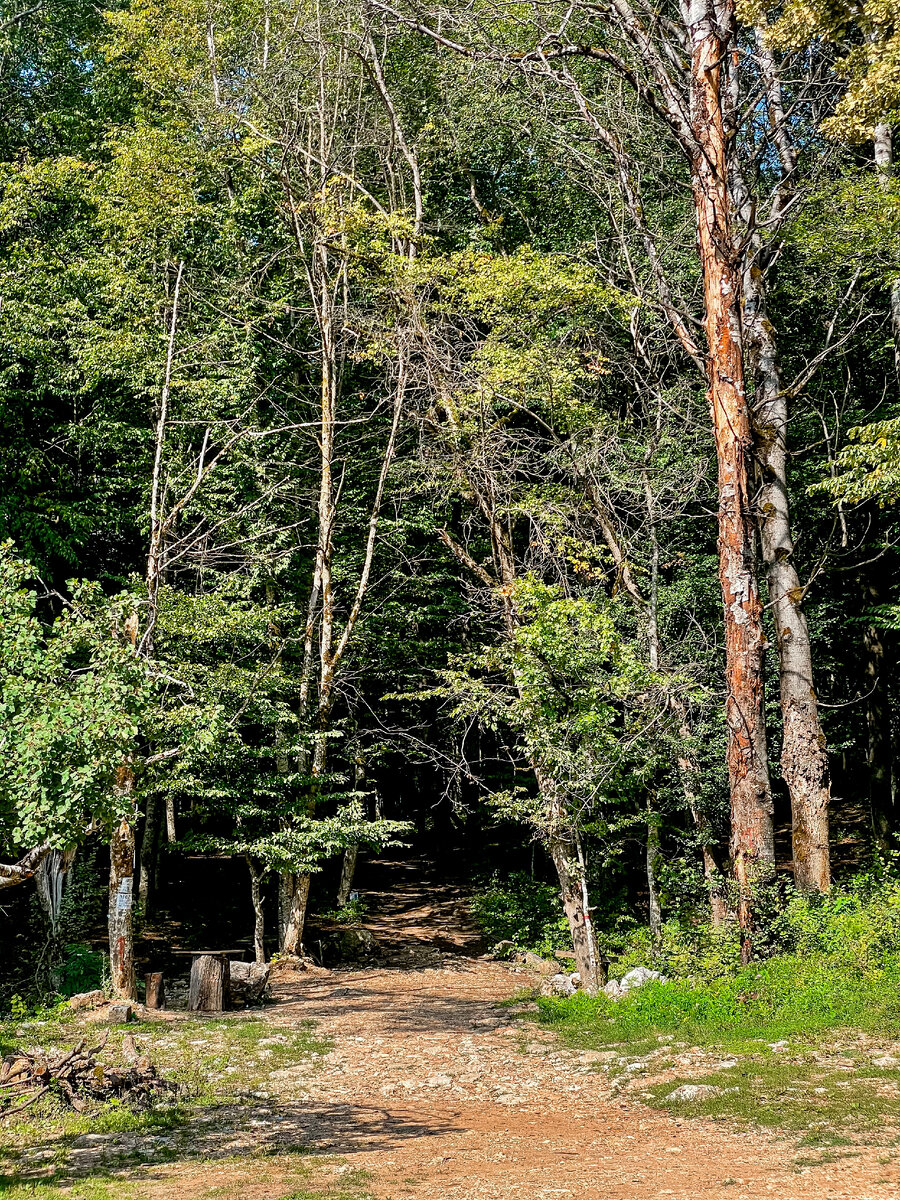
x=431, y=1089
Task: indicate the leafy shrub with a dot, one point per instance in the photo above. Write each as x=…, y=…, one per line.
x=521, y=910
x=826, y=961
x=682, y=950
x=81, y=970
x=354, y=912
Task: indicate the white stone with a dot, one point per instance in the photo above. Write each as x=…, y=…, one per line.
x=694, y=1091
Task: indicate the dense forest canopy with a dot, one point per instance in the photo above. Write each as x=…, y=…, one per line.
x=472, y=427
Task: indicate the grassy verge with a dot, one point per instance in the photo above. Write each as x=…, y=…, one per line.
x=224, y=1068
x=788, y=996
x=797, y=1044
x=286, y=1177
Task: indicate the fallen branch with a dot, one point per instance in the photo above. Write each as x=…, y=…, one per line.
x=77, y=1077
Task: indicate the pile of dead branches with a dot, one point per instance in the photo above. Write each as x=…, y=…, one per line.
x=78, y=1078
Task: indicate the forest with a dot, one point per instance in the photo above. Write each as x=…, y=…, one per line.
x=460, y=439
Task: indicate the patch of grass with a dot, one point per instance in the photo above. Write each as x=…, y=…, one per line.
x=827, y=1156
x=290, y=1177
x=796, y=1095
x=223, y=1060
x=774, y=1018
x=786, y=997
x=824, y=1137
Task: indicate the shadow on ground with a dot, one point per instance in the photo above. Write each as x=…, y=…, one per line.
x=226, y=1131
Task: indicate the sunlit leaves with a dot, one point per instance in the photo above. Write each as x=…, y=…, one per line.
x=71, y=699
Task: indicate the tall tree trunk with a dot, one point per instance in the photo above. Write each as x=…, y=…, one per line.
x=259, y=924
x=752, y=836
x=884, y=162
x=804, y=758
x=121, y=898
x=880, y=749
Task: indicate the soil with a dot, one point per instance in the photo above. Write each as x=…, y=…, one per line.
x=435, y=1091
x=438, y=1089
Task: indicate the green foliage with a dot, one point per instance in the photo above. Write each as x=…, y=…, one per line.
x=72, y=695
x=870, y=63
x=354, y=912
x=869, y=467
x=522, y=910
x=81, y=970
x=834, y=963
x=583, y=708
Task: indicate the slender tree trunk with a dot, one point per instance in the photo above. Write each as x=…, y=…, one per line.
x=581, y=927
x=804, y=757
x=120, y=910
x=884, y=162
x=752, y=836
x=879, y=666
x=568, y=859
x=259, y=927
x=653, y=859
x=348, y=865
x=121, y=898
x=149, y=854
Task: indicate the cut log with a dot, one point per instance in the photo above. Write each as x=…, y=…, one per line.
x=155, y=990
x=210, y=989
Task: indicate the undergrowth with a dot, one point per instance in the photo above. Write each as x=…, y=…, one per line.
x=789, y=995
x=522, y=912
x=799, y=1028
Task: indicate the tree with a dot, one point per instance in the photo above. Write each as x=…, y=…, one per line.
x=72, y=697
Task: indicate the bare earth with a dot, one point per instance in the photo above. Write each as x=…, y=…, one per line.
x=433, y=1091
x=437, y=1093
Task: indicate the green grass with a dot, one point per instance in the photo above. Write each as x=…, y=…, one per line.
x=786, y=997
x=801, y=1029
x=799, y=1096
x=289, y=1177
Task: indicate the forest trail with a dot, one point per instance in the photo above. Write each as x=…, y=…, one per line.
x=432, y=1088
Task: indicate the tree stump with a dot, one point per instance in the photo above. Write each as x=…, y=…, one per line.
x=156, y=990
x=210, y=989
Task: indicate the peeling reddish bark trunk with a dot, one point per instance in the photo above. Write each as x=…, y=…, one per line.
x=752, y=839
